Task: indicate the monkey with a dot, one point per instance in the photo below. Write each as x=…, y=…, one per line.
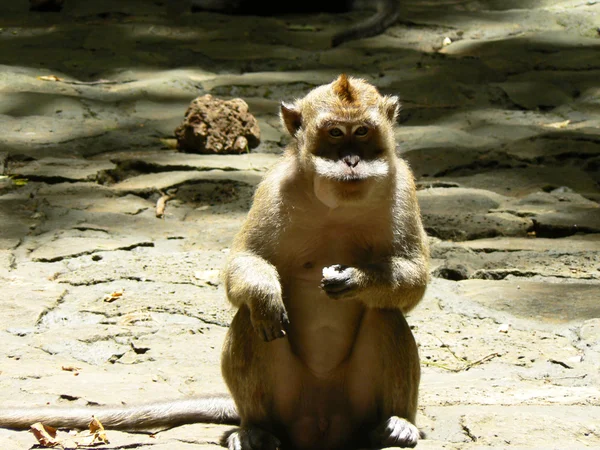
x=387, y=12
x=332, y=255
x=330, y=258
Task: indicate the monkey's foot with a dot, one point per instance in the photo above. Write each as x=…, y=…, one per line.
x=252, y=438
x=395, y=432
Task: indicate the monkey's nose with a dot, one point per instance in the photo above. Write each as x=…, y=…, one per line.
x=351, y=160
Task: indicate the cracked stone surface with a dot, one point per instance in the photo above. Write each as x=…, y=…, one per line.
x=500, y=123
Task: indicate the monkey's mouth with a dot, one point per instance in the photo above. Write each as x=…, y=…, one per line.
x=352, y=178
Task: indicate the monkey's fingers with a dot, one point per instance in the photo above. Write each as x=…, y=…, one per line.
x=273, y=328
x=338, y=280
x=335, y=286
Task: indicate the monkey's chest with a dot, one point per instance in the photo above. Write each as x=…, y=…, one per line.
x=307, y=252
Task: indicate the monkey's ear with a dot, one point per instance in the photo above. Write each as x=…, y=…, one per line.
x=291, y=117
x=391, y=105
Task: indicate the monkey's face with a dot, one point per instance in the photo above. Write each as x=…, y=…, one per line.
x=343, y=135
x=349, y=159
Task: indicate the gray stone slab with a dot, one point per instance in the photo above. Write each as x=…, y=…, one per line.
x=546, y=302
x=457, y=264
x=167, y=180
x=499, y=426
x=522, y=181
x=463, y=214
x=71, y=246
x=174, y=160
x=61, y=169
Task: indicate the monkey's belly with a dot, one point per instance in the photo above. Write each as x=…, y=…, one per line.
x=321, y=331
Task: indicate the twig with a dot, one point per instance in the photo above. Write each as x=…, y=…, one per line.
x=464, y=367
x=466, y=364
x=161, y=204
x=482, y=360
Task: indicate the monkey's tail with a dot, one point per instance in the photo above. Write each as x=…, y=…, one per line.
x=388, y=12
x=152, y=416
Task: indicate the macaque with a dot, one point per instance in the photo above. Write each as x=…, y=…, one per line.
x=331, y=257
x=386, y=14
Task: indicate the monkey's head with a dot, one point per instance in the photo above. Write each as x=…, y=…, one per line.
x=343, y=138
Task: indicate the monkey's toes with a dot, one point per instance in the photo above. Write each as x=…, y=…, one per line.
x=396, y=432
x=252, y=438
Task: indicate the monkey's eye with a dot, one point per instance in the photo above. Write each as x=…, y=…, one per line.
x=336, y=132
x=361, y=131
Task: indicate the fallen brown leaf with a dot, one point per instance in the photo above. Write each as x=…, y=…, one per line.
x=49, y=78
x=45, y=435
x=563, y=124
x=97, y=429
x=114, y=296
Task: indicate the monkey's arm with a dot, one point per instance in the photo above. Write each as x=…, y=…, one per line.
x=396, y=283
x=397, y=280
x=250, y=279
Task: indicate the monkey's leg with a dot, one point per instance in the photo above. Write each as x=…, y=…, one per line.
x=255, y=371
x=387, y=345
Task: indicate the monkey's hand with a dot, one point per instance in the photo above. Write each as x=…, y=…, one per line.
x=269, y=319
x=340, y=281
x=252, y=281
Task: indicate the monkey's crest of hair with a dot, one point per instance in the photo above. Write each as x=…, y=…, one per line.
x=342, y=88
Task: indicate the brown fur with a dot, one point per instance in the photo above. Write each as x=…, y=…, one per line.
x=316, y=362
x=330, y=258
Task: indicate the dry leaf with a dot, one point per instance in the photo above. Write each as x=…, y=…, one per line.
x=98, y=430
x=301, y=27
x=114, y=296
x=563, y=124
x=503, y=328
x=49, y=78
x=45, y=435
x=71, y=368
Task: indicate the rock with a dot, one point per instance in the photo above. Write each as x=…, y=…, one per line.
x=217, y=126
x=461, y=214
x=553, y=303
x=71, y=246
x=452, y=271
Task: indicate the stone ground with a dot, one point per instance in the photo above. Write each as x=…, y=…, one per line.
x=500, y=122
